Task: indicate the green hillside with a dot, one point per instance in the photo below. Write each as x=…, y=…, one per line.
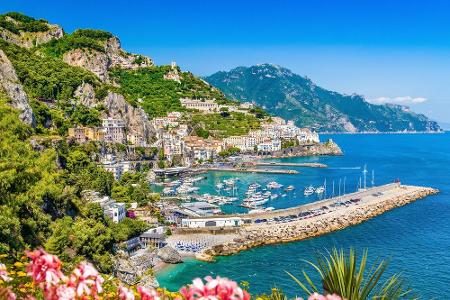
x=297, y=98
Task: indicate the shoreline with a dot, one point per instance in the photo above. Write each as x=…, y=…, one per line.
x=260, y=235
x=383, y=132
x=337, y=218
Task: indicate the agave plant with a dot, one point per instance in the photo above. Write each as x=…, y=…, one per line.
x=341, y=275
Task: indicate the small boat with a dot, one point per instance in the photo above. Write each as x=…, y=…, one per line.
x=255, y=203
x=320, y=190
x=309, y=191
x=289, y=188
x=274, y=185
x=274, y=196
x=283, y=195
x=219, y=186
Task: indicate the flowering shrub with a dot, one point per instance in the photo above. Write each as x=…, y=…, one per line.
x=39, y=275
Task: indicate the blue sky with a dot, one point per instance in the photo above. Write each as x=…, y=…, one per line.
x=396, y=51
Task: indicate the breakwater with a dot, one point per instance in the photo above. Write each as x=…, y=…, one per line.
x=371, y=203
x=289, y=164
x=252, y=170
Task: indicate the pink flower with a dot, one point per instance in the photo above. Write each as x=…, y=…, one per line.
x=125, y=293
x=316, y=296
x=4, y=273
x=148, y=294
x=44, y=268
x=86, y=280
x=64, y=292
x=218, y=288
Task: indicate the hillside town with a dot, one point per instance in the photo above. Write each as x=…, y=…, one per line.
x=181, y=147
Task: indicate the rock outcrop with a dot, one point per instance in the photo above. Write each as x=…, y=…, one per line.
x=32, y=39
x=119, y=58
x=327, y=148
x=86, y=95
x=169, y=255
x=136, y=269
x=100, y=62
x=135, y=118
x=10, y=84
x=92, y=60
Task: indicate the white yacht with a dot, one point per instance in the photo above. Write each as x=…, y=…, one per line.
x=320, y=190
x=309, y=191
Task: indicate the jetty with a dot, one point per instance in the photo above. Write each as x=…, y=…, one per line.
x=288, y=164
x=305, y=221
x=252, y=170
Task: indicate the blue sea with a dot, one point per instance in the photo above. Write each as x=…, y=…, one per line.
x=415, y=238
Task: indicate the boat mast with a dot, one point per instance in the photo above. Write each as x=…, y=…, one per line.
x=339, y=187
x=333, y=190
x=365, y=176
x=373, y=178
x=345, y=179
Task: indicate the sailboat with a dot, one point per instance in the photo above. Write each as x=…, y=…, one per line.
x=321, y=189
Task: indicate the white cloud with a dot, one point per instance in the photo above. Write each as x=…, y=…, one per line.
x=404, y=100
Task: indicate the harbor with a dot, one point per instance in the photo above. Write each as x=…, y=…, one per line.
x=300, y=222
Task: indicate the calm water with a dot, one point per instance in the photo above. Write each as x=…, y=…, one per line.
x=416, y=238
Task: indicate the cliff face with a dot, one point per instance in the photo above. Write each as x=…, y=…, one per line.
x=100, y=62
x=11, y=86
x=135, y=118
x=297, y=98
x=31, y=39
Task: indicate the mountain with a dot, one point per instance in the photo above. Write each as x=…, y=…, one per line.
x=297, y=98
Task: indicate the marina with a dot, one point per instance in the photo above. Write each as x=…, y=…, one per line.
x=388, y=234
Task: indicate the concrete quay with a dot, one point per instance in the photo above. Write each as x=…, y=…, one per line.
x=253, y=170
x=286, y=164
x=371, y=203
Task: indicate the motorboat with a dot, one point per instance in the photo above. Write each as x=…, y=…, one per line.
x=309, y=191
x=289, y=188
x=274, y=185
x=320, y=190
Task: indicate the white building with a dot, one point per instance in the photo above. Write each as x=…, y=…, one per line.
x=269, y=146
x=246, y=105
x=202, y=105
x=212, y=222
x=245, y=143
x=117, y=212
x=114, y=130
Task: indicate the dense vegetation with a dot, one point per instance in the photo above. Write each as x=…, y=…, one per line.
x=80, y=39
x=46, y=77
x=297, y=98
x=159, y=96
x=41, y=197
x=21, y=22
x=220, y=126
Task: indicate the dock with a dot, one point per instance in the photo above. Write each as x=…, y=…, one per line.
x=287, y=164
x=354, y=209
x=253, y=170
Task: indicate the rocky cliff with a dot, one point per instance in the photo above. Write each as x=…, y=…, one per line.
x=17, y=30
x=10, y=85
x=135, y=118
x=100, y=62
